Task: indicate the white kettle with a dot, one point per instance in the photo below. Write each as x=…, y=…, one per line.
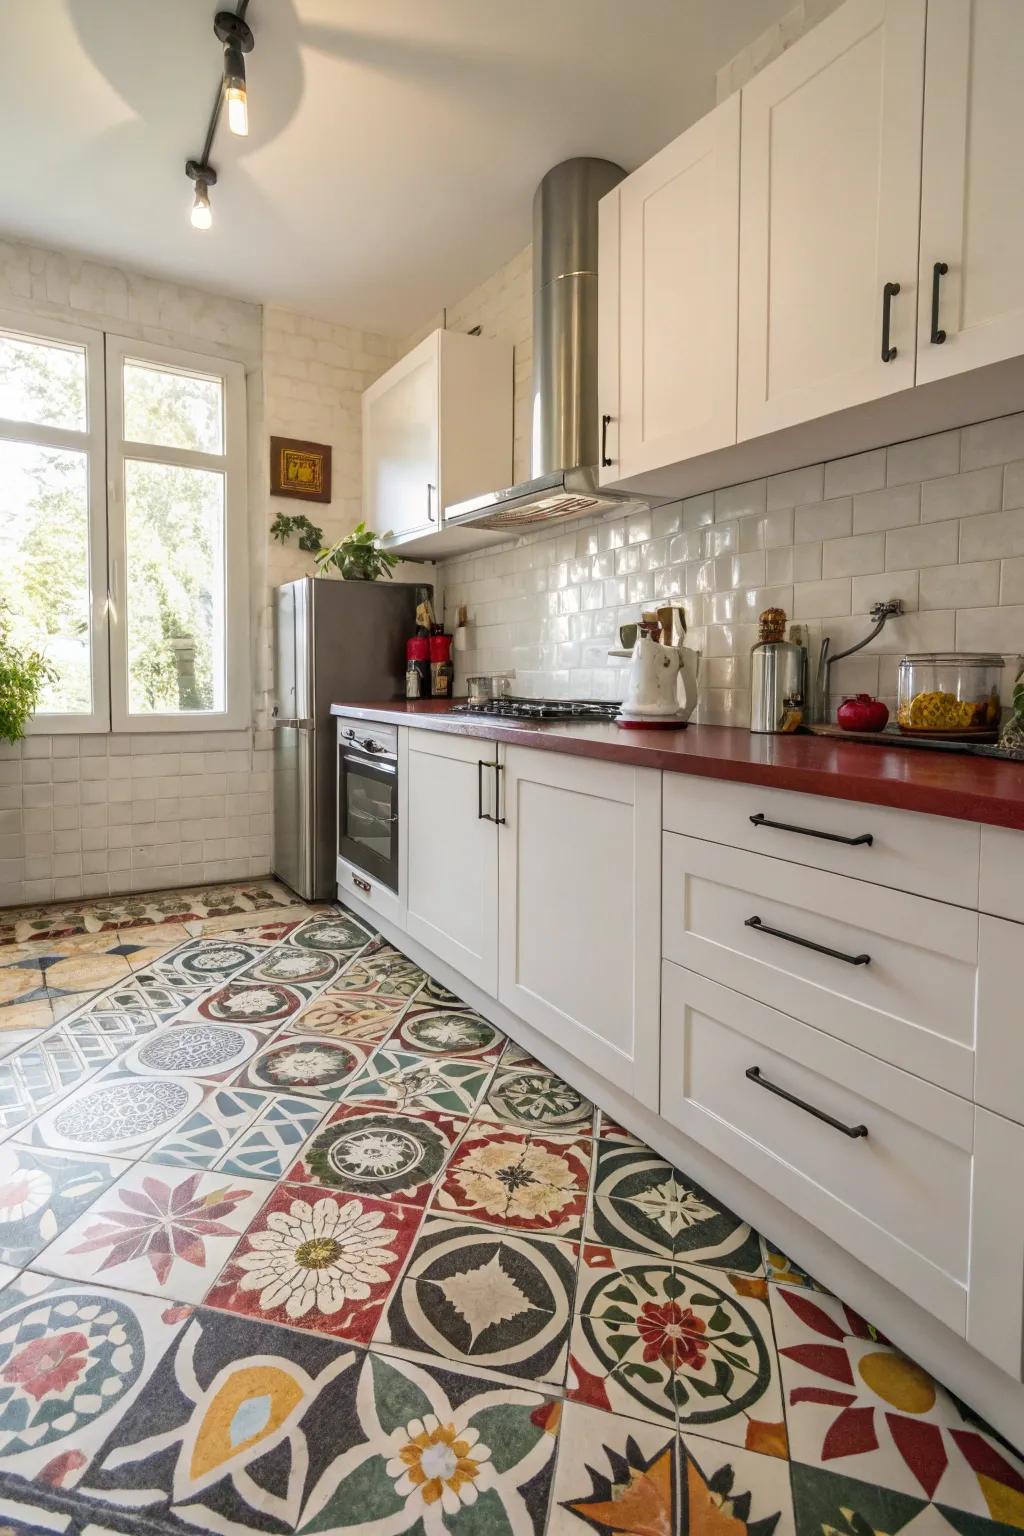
x=657, y=675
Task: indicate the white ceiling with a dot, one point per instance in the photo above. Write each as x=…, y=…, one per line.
x=394, y=144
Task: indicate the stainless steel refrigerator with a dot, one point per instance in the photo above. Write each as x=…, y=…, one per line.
x=334, y=641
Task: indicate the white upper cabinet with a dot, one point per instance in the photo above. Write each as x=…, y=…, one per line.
x=437, y=428
x=829, y=204
x=668, y=258
x=972, y=203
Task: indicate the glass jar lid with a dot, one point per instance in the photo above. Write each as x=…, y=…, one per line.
x=954, y=659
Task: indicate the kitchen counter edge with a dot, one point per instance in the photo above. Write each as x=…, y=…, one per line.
x=962, y=787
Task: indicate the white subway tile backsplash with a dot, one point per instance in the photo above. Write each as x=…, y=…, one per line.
x=999, y=441
x=824, y=520
x=992, y=536
x=796, y=488
x=1013, y=484
x=1011, y=588
x=861, y=555
x=868, y=590
x=991, y=629
x=931, y=544
x=923, y=458
x=966, y=495
x=877, y=511
x=821, y=599
x=973, y=585
x=860, y=472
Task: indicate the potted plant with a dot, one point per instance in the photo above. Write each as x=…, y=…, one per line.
x=358, y=556
x=23, y=675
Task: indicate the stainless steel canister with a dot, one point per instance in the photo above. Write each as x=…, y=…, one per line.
x=778, y=685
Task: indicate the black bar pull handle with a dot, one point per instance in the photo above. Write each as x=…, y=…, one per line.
x=481, y=814
x=793, y=938
x=499, y=821
x=863, y=841
x=606, y=462
x=853, y=1131
x=889, y=292
x=938, y=273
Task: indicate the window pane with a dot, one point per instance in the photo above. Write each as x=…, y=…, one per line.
x=174, y=525
x=42, y=382
x=174, y=410
x=44, y=564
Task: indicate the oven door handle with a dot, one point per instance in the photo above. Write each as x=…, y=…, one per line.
x=369, y=764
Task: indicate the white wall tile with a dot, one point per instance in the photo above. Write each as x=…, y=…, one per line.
x=991, y=629
x=911, y=548
x=1012, y=583
x=875, y=511
x=861, y=555
x=821, y=599
x=991, y=537
x=993, y=442
x=796, y=488
x=861, y=472
x=974, y=585
x=923, y=458
x=825, y=520
x=966, y=495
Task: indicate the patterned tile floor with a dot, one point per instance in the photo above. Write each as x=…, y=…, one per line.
x=293, y=1240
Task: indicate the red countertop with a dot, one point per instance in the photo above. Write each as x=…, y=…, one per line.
x=937, y=783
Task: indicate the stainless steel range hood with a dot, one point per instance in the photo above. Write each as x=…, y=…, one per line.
x=564, y=483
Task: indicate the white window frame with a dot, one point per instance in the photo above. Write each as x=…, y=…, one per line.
x=93, y=443
x=237, y=713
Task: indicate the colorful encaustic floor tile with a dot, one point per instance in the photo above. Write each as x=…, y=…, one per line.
x=293, y=1240
x=617, y=1475
x=410, y=1081
x=515, y=1179
x=305, y=1064
x=537, y=1100
x=162, y=1231
x=318, y=1259
x=673, y=1343
x=858, y=1407
x=497, y=1300
x=386, y=1153
x=642, y=1202
x=245, y=1428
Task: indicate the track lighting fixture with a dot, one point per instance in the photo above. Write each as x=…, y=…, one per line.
x=236, y=35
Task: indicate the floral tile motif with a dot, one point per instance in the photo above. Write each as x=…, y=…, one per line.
x=42, y=1193
x=384, y=1153
x=667, y=1342
x=513, y=1179
x=500, y=1301
x=409, y=1081
x=292, y=963
x=234, y=1428
x=205, y=1135
x=123, y=1115
x=73, y=1360
x=783, y=1270
x=446, y=1031
x=537, y=1100
x=368, y=1016
x=858, y=1407
x=380, y=962
x=205, y=962
x=266, y=1148
x=162, y=1231
x=337, y=932
x=829, y=1501
x=617, y=1476
x=301, y=1064
x=434, y=994
x=642, y=1202
x=320, y=1260
x=261, y=1003
x=100, y=915
x=515, y=1056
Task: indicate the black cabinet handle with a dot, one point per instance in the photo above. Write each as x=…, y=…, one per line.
x=938, y=273
x=430, y=504
x=499, y=821
x=889, y=292
x=865, y=840
x=481, y=814
x=605, y=424
x=853, y=1131
x=793, y=938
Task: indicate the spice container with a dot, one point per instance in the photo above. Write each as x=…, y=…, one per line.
x=948, y=693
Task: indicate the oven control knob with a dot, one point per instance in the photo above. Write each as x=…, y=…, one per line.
x=369, y=745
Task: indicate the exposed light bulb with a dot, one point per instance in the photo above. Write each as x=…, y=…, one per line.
x=202, y=215
x=238, y=108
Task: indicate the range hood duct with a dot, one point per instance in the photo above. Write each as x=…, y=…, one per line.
x=564, y=439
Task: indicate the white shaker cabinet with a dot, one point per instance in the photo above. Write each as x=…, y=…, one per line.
x=452, y=852
x=669, y=247
x=829, y=198
x=437, y=428
x=972, y=196
x=579, y=910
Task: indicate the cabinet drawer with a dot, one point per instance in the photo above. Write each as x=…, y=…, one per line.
x=912, y=1001
x=1002, y=872
x=931, y=855
x=363, y=887
x=898, y=1197
x=999, y=1079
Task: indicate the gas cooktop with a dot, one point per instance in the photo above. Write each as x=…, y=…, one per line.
x=511, y=708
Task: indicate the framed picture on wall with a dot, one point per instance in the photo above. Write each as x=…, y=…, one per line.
x=300, y=470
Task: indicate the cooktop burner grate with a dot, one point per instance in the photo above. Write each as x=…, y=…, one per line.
x=512, y=708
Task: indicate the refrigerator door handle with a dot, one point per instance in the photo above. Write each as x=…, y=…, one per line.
x=293, y=725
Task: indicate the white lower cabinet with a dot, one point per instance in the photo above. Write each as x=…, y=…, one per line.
x=579, y=910
x=452, y=852
x=875, y=1158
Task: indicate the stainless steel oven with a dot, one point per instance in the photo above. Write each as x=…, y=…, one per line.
x=368, y=829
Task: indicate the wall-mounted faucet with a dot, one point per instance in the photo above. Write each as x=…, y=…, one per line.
x=881, y=613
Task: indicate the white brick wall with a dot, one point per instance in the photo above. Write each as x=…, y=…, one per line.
x=938, y=522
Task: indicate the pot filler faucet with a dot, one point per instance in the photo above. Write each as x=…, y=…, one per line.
x=881, y=613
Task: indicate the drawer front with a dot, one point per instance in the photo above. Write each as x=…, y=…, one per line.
x=999, y=1079
x=357, y=883
x=1002, y=872
x=912, y=1002
x=931, y=855
x=898, y=1198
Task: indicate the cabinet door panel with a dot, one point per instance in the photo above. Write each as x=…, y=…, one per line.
x=972, y=200
x=830, y=188
x=453, y=854
x=400, y=444
x=679, y=260
x=580, y=910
